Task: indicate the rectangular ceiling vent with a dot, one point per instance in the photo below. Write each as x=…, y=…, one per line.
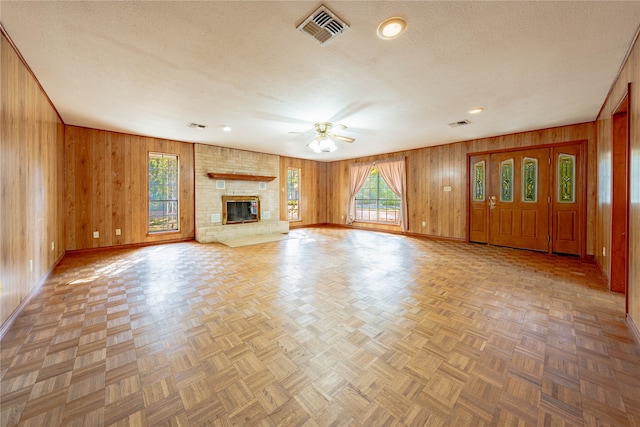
x=460, y=123
x=323, y=25
x=196, y=126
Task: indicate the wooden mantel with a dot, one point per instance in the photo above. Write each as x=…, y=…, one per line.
x=240, y=177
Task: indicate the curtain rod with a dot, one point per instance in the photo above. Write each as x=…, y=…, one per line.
x=373, y=162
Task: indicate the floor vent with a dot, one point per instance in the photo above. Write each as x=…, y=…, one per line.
x=323, y=25
x=460, y=123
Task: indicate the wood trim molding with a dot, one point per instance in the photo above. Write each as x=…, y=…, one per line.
x=529, y=147
x=240, y=177
x=4, y=328
x=6, y=35
x=633, y=328
x=129, y=245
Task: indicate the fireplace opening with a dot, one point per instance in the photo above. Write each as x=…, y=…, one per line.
x=240, y=209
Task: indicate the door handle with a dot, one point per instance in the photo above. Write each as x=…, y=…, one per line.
x=492, y=202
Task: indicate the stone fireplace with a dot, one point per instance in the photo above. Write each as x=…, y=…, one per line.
x=249, y=179
x=240, y=209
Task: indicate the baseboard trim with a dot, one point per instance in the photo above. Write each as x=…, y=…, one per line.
x=4, y=328
x=129, y=246
x=635, y=332
x=434, y=237
x=402, y=233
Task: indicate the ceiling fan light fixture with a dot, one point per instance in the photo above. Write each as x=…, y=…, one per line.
x=323, y=145
x=391, y=28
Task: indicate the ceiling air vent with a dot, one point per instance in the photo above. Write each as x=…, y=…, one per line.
x=460, y=123
x=196, y=126
x=323, y=25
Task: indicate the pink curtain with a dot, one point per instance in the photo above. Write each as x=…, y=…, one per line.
x=394, y=174
x=358, y=174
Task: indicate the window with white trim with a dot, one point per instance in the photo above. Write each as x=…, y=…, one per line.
x=375, y=202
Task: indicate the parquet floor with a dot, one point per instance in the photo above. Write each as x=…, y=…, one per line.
x=334, y=327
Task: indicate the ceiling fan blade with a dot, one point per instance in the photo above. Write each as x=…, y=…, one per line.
x=343, y=138
x=339, y=125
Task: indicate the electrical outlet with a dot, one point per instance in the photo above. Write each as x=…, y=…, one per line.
x=604, y=251
x=96, y=234
x=30, y=265
x=447, y=188
x=424, y=223
x=53, y=246
x=118, y=232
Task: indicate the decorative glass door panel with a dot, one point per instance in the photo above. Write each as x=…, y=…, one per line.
x=506, y=180
x=479, y=181
x=529, y=180
x=566, y=172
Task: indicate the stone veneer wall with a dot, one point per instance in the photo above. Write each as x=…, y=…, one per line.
x=209, y=199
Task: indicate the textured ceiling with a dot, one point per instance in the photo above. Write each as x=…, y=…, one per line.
x=151, y=68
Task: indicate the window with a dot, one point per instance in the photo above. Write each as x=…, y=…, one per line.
x=375, y=202
x=293, y=194
x=163, y=193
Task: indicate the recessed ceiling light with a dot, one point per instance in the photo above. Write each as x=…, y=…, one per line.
x=475, y=110
x=226, y=128
x=392, y=28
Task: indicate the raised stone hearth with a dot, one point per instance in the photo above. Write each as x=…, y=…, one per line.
x=234, y=231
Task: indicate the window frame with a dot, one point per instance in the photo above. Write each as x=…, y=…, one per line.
x=289, y=189
x=150, y=201
x=397, y=201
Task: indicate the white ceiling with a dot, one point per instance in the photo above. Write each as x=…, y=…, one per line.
x=152, y=67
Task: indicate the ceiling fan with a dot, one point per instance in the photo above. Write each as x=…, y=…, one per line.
x=324, y=139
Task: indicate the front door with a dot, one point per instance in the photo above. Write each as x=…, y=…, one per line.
x=527, y=199
x=519, y=199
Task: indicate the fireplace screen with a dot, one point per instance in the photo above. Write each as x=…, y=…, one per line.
x=240, y=209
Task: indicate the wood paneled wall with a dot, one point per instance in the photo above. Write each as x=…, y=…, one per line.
x=313, y=191
x=430, y=169
x=106, y=188
x=629, y=74
x=31, y=182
